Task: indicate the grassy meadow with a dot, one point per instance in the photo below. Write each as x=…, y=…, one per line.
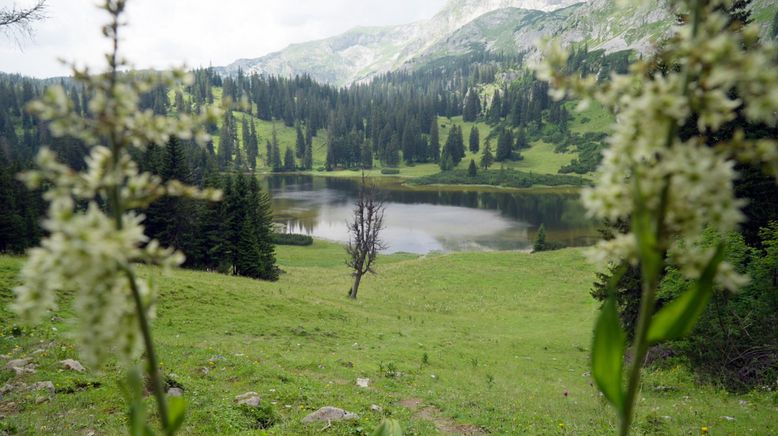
x=483, y=342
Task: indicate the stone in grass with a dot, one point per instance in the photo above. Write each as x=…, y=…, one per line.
x=250, y=399
x=175, y=392
x=43, y=385
x=21, y=366
x=363, y=382
x=376, y=408
x=72, y=365
x=330, y=414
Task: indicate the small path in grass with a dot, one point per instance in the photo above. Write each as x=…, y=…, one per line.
x=434, y=415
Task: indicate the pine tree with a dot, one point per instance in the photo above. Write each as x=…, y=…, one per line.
x=472, y=106
x=475, y=139
x=308, y=157
x=434, y=145
x=289, y=163
x=472, y=170
x=275, y=153
x=540, y=239
x=247, y=262
x=299, y=143
x=504, y=145
x=487, y=159
x=262, y=222
x=252, y=148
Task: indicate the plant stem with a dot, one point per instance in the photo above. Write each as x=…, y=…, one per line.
x=117, y=209
x=650, y=284
x=151, y=357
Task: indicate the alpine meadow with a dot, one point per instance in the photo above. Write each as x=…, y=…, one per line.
x=460, y=217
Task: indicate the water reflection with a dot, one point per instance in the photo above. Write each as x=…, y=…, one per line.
x=432, y=220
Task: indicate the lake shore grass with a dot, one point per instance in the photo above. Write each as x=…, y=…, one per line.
x=491, y=340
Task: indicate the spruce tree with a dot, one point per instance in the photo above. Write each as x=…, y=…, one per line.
x=540, y=239
x=247, y=262
x=487, y=159
x=475, y=140
x=262, y=222
x=299, y=143
x=472, y=170
x=472, y=106
x=308, y=156
x=434, y=145
x=275, y=153
x=504, y=145
x=289, y=163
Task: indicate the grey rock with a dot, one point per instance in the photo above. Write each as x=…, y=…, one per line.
x=363, y=382
x=43, y=385
x=330, y=414
x=12, y=387
x=376, y=408
x=21, y=366
x=250, y=399
x=175, y=392
x=17, y=363
x=72, y=365
x=41, y=400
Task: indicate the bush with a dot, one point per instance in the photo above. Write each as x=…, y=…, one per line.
x=291, y=239
x=263, y=417
x=736, y=340
x=390, y=171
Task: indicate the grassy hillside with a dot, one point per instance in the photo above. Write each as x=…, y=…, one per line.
x=492, y=340
x=539, y=158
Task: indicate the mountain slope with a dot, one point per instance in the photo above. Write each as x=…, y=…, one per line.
x=464, y=26
x=363, y=52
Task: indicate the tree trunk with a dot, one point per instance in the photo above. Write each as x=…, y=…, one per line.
x=355, y=288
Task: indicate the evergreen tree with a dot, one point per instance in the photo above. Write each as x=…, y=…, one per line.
x=262, y=222
x=275, y=153
x=289, y=163
x=504, y=145
x=472, y=170
x=472, y=106
x=487, y=159
x=475, y=140
x=521, y=140
x=247, y=259
x=434, y=145
x=540, y=239
x=308, y=157
x=252, y=148
x=495, y=110
x=455, y=145
x=299, y=143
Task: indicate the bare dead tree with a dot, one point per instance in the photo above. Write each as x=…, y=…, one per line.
x=365, y=234
x=17, y=21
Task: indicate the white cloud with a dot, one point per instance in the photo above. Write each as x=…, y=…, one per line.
x=163, y=33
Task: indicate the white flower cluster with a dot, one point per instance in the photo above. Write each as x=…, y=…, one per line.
x=94, y=234
x=709, y=69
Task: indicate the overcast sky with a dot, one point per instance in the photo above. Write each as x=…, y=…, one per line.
x=165, y=33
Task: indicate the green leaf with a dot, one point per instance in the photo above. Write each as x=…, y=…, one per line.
x=678, y=318
x=608, y=353
x=176, y=413
x=388, y=427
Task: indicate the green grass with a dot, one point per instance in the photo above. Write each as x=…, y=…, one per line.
x=506, y=335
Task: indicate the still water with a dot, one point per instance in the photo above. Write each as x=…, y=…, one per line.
x=426, y=219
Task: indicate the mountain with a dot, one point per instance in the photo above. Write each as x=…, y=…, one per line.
x=363, y=52
x=465, y=26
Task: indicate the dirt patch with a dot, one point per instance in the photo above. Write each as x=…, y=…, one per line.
x=443, y=424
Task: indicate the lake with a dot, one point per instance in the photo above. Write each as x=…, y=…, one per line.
x=426, y=219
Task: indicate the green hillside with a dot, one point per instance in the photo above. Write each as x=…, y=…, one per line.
x=490, y=341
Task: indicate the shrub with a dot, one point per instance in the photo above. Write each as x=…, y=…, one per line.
x=291, y=239
x=390, y=171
